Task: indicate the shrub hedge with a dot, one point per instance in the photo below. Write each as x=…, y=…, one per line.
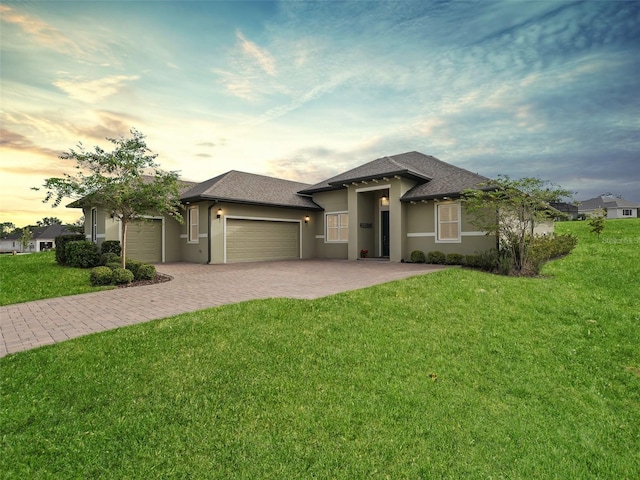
x=436, y=257
x=111, y=246
x=455, y=259
x=81, y=254
x=61, y=242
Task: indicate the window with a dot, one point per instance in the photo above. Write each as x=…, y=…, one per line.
x=449, y=222
x=94, y=225
x=337, y=227
x=626, y=212
x=192, y=223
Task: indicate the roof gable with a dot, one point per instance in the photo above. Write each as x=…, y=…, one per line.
x=435, y=178
x=241, y=187
x=606, y=201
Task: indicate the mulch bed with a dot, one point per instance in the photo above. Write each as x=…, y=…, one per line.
x=159, y=278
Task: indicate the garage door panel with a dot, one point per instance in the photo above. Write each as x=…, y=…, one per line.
x=260, y=240
x=144, y=241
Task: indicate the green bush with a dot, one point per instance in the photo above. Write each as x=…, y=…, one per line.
x=488, y=260
x=122, y=276
x=111, y=246
x=113, y=265
x=146, y=272
x=110, y=257
x=417, y=256
x=545, y=248
x=101, y=276
x=133, y=266
x=436, y=257
x=61, y=242
x=472, y=261
x=82, y=254
x=455, y=259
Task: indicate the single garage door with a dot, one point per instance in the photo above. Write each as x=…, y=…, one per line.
x=260, y=240
x=144, y=241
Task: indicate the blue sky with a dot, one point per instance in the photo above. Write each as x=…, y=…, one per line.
x=305, y=90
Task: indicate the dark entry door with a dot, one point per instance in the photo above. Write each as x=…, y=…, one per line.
x=384, y=232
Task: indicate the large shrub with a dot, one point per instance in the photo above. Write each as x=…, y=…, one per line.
x=82, y=254
x=122, y=276
x=111, y=246
x=146, y=272
x=61, y=242
x=101, y=276
x=417, y=256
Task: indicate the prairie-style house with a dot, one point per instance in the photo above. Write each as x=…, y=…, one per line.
x=389, y=207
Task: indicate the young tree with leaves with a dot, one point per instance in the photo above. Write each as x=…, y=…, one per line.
x=25, y=238
x=126, y=182
x=596, y=221
x=510, y=210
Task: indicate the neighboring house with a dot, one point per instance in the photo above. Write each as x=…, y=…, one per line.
x=42, y=239
x=616, y=207
x=390, y=207
x=568, y=209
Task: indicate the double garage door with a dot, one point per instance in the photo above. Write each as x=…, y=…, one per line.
x=144, y=241
x=260, y=240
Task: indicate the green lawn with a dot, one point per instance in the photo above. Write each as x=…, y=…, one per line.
x=457, y=374
x=35, y=276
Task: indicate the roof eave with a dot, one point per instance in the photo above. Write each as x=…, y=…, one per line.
x=401, y=173
x=206, y=198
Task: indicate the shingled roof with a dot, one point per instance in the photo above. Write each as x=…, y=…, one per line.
x=435, y=178
x=606, y=201
x=241, y=187
x=45, y=233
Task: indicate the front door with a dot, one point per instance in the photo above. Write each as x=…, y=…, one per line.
x=384, y=232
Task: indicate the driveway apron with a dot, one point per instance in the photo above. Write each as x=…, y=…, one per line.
x=194, y=287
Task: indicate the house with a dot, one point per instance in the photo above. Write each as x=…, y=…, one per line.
x=570, y=210
x=616, y=207
x=42, y=239
x=389, y=207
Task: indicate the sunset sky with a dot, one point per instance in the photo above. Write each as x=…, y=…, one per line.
x=305, y=90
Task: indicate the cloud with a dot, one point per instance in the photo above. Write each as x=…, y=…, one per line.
x=110, y=124
x=261, y=56
x=92, y=91
x=43, y=33
x=16, y=141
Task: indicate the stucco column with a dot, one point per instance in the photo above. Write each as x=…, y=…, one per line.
x=352, y=206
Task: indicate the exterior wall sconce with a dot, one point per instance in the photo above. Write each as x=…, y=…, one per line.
x=384, y=201
x=306, y=219
x=219, y=214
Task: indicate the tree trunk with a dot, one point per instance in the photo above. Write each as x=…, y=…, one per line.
x=123, y=243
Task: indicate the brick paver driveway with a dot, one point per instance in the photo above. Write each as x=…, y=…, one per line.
x=194, y=287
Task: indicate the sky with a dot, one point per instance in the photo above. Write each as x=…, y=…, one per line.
x=307, y=90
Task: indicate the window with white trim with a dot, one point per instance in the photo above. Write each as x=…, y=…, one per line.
x=193, y=218
x=94, y=225
x=626, y=212
x=337, y=227
x=448, y=222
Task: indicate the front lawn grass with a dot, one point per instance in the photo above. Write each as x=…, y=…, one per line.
x=35, y=276
x=456, y=374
